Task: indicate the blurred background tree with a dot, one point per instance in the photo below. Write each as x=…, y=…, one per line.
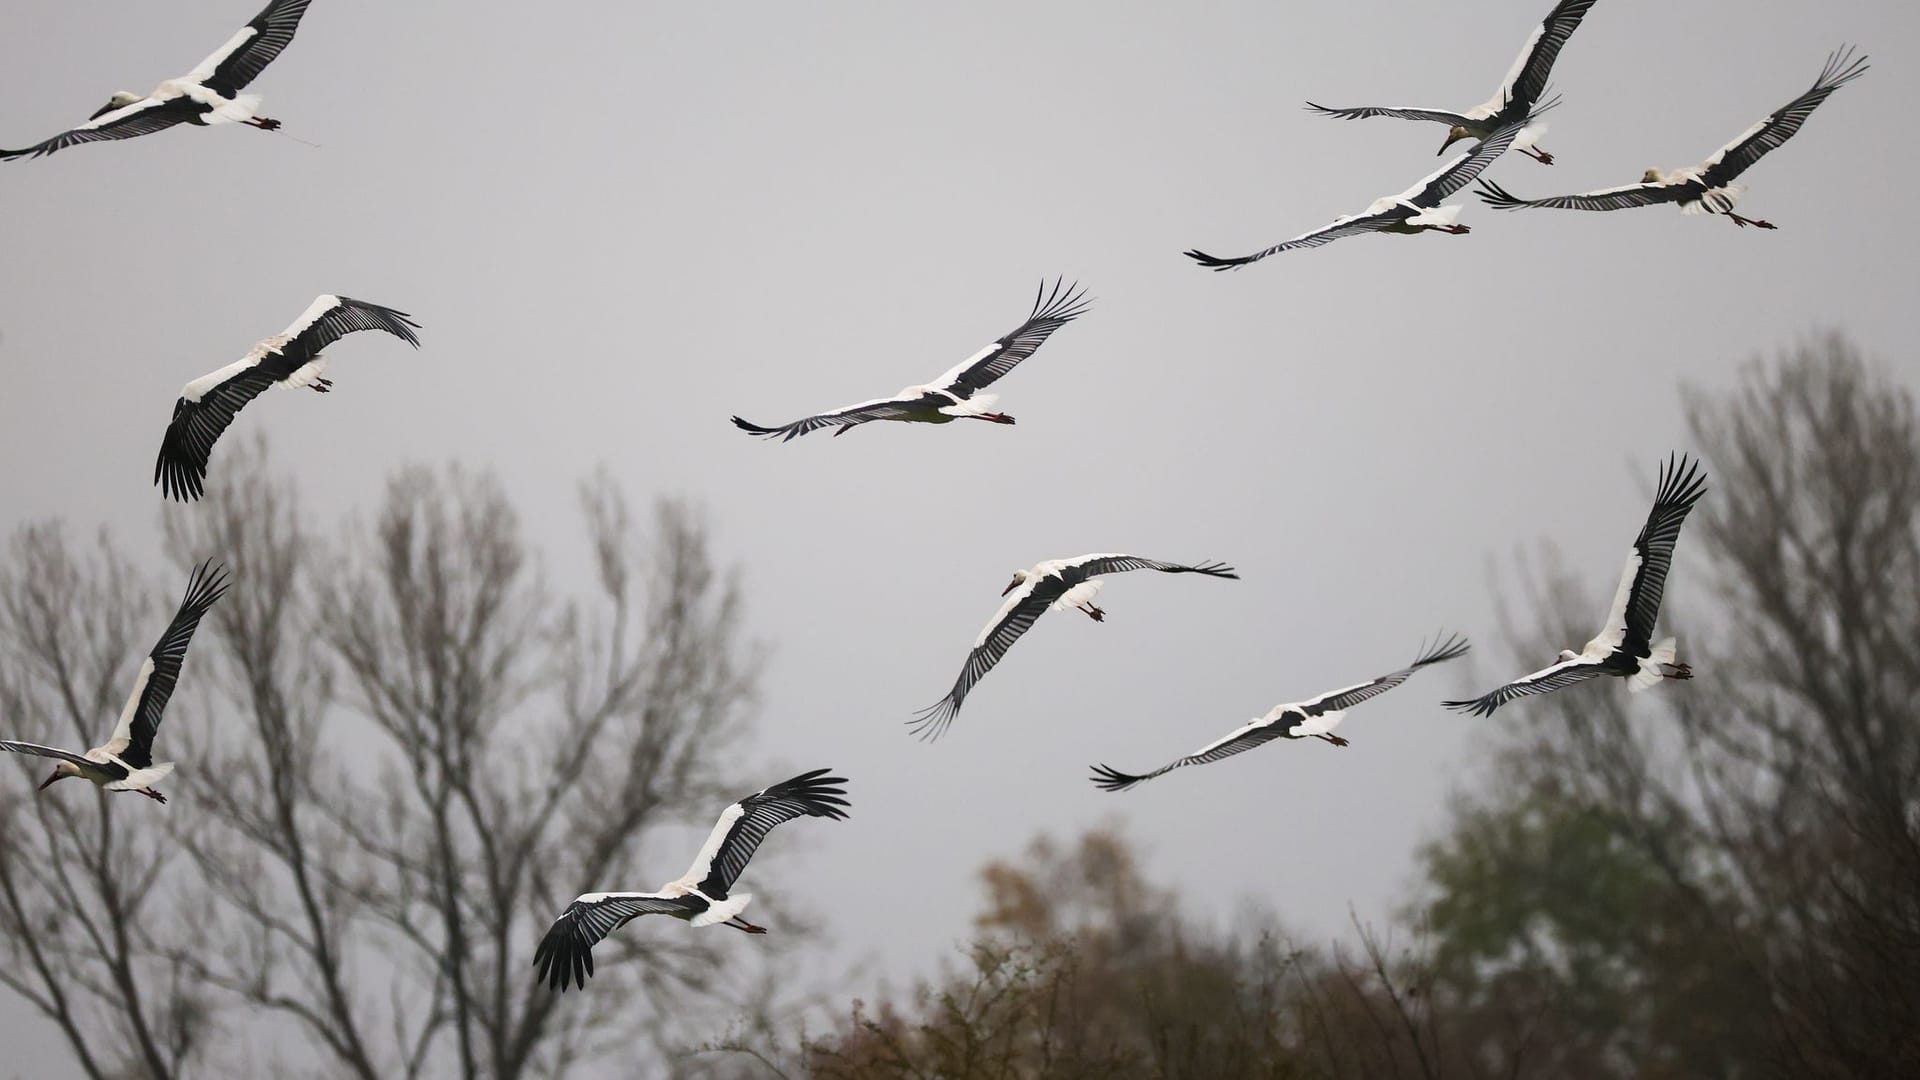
x=407, y=752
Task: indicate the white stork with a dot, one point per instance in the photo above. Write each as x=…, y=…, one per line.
x=292, y=358
x=1314, y=718
x=699, y=897
x=1415, y=210
x=1625, y=646
x=1709, y=187
x=1517, y=99
x=209, y=94
x=125, y=761
x=1061, y=584
x=955, y=395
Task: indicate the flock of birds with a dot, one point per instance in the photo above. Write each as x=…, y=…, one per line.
x=1625, y=647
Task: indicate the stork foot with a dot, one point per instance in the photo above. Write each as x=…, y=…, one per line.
x=994, y=417
x=1094, y=612
x=264, y=123
x=322, y=386
x=743, y=925
x=1334, y=739
x=1676, y=671
x=1743, y=222
x=152, y=794
x=1456, y=230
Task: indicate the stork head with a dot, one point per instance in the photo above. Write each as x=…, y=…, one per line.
x=1653, y=176
x=1019, y=579
x=1568, y=654
x=1454, y=135
x=120, y=100
x=61, y=770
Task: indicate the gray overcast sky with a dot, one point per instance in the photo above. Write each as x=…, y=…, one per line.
x=618, y=223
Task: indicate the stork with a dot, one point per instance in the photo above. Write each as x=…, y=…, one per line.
x=1517, y=99
x=1314, y=718
x=956, y=394
x=291, y=358
x=1060, y=584
x=125, y=761
x=1710, y=187
x=1624, y=647
x=1413, y=211
x=700, y=897
x=207, y=95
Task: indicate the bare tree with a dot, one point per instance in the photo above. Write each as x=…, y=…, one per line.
x=415, y=754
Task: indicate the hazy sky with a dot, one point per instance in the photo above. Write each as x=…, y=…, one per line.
x=619, y=223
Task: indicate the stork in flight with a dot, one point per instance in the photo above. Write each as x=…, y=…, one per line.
x=955, y=395
x=125, y=761
x=291, y=358
x=1710, y=187
x=1413, y=211
x=1060, y=584
x=1624, y=647
x=700, y=897
x=1517, y=99
x=209, y=94
x=1314, y=718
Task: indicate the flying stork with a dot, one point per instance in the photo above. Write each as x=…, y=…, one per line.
x=292, y=358
x=125, y=761
x=1415, y=210
x=1061, y=584
x=1624, y=647
x=1709, y=187
x=209, y=94
x=1517, y=99
x=1314, y=718
x=699, y=897
x=956, y=394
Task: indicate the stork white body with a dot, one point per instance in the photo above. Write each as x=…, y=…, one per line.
x=700, y=897
x=1519, y=98
x=209, y=95
x=1624, y=647
x=125, y=761
x=1053, y=585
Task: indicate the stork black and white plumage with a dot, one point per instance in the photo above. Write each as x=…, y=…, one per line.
x=209, y=94
x=1518, y=99
x=125, y=761
x=955, y=395
x=1624, y=647
x=1057, y=583
x=701, y=896
x=1712, y=186
x=209, y=403
x=1415, y=210
x=1314, y=718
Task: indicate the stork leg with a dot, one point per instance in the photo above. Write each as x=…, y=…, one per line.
x=1676, y=670
x=1456, y=230
x=263, y=123
x=1538, y=155
x=993, y=417
x=152, y=794
x=1743, y=222
x=1094, y=612
x=321, y=385
x=741, y=924
x=1334, y=739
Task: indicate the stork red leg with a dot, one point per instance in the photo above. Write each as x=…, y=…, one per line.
x=263, y=123
x=1334, y=739
x=152, y=794
x=1094, y=612
x=1743, y=222
x=993, y=417
x=741, y=924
